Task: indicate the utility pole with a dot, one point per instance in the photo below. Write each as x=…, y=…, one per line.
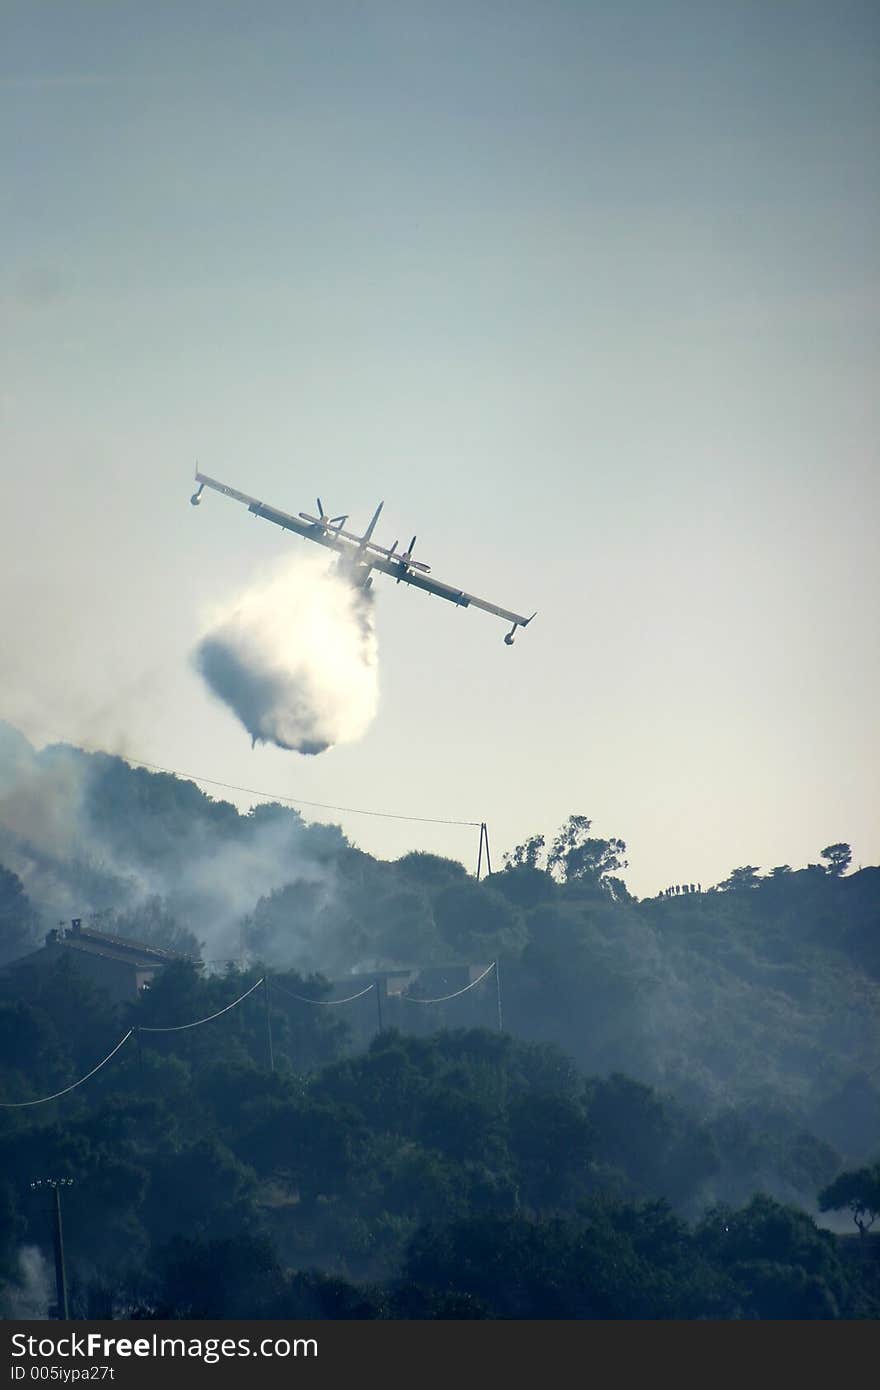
x=378, y=988
x=61, y=1307
x=268, y=1023
x=484, y=840
x=498, y=994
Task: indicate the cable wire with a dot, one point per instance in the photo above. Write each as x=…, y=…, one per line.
x=17, y=1104
x=298, y=801
x=443, y=997
x=179, y=1027
x=303, y=999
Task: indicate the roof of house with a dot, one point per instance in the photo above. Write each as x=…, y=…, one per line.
x=85, y=941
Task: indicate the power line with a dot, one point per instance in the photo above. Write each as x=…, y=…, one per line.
x=17, y=1104
x=299, y=801
x=179, y=1027
x=411, y=999
x=304, y=999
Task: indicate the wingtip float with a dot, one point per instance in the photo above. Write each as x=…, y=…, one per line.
x=360, y=555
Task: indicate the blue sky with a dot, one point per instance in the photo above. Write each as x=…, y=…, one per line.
x=587, y=293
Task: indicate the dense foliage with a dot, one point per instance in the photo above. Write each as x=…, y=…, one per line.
x=677, y=1082
x=459, y=1174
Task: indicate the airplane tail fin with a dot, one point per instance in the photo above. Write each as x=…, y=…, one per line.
x=372, y=526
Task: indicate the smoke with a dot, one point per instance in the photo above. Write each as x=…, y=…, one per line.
x=40, y=801
x=216, y=888
x=89, y=836
x=29, y=1296
x=295, y=658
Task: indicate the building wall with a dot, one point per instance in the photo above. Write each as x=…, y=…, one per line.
x=121, y=979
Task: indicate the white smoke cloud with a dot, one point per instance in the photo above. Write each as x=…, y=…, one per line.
x=220, y=884
x=296, y=658
x=127, y=873
x=39, y=802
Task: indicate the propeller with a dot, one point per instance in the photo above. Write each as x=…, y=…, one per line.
x=408, y=563
x=328, y=523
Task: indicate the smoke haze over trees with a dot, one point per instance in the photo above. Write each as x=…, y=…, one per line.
x=672, y=1069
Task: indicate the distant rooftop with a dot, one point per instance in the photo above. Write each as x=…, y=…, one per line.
x=87, y=941
x=121, y=947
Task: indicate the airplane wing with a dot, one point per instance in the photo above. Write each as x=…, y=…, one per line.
x=377, y=557
x=447, y=591
x=313, y=530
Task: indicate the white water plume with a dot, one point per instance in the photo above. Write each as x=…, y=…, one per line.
x=295, y=658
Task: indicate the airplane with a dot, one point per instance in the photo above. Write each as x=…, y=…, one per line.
x=359, y=555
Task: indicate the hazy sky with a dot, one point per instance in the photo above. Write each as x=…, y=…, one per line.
x=588, y=293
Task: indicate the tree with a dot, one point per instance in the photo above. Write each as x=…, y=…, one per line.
x=523, y=885
x=152, y=923
x=659, y=1146
x=611, y=1261
x=236, y=1276
x=17, y=918
x=574, y=854
x=200, y=1189
x=550, y=1139
x=11, y=1224
x=474, y=921
x=839, y=858
x=783, y=1264
x=859, y=1191
x=431, y=870
x=744, y=877
x=526, y=854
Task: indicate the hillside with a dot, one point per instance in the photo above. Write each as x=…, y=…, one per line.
x=755, y=1006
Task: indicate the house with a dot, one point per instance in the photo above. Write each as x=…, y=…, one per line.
x=114, y=963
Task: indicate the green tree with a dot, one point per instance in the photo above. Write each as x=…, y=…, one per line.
x=611, y=1261
x=153, y=924
x=662, y=1150
x=550, y=1140
x=839, y=858
x=198, y=1190
x=744, y=877
x=477, y=923
x=527, y=854
x=782, y=1264
x=18, y=921
x=238, y=1276
x=576, y=855
x=858, y=1191
x=11, y=1224
x=430, y=870
x=524, y=886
